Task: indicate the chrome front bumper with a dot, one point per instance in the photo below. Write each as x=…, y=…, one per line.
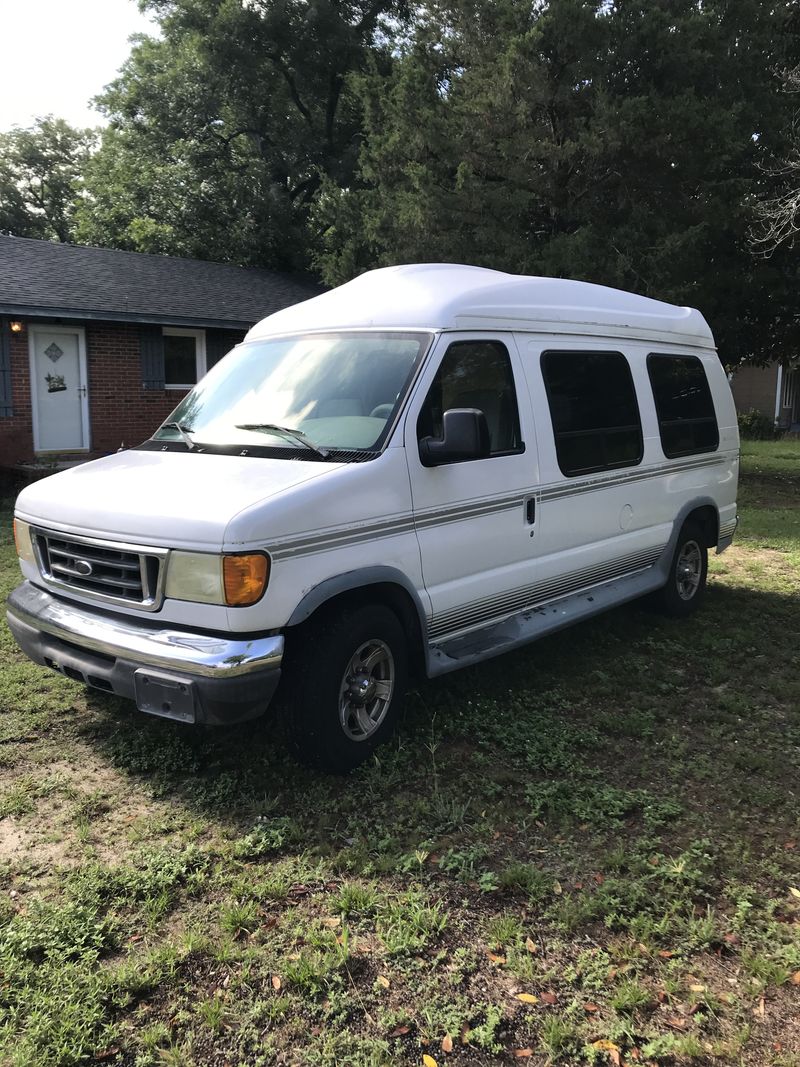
x=221, y=678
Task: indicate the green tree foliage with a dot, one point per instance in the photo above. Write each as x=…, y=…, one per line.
x=615, y=142
x=41, y=178
x=222, y=130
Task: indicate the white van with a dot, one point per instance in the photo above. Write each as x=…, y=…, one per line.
x=418, y=470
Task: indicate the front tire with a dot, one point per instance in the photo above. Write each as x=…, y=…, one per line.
x=686, y=585
x=346, y=677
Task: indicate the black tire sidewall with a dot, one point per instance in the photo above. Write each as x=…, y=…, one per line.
x=673, y=603
x=320, y=654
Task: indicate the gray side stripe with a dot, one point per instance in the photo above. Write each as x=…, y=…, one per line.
x=555, y=492
x=405, y=522
x=536, y=595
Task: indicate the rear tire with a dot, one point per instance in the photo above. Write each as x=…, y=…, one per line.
x=686, y=584
x=346, y=675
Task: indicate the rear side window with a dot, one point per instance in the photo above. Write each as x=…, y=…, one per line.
x=686, y=418
x=594, y=411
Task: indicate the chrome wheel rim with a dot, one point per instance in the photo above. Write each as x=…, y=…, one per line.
x=688, y=570
x=366, y=690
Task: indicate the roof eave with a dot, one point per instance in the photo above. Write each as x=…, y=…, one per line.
x=29, y=311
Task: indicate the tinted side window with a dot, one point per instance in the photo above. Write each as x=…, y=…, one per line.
x=686, y=417
x=594, y=411
x=475, y=374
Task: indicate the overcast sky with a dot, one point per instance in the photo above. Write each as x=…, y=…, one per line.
x=58, y=54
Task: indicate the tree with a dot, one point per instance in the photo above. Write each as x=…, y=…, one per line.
x=779, y=214
x=41, y=178
x=614, y=142
x=223, y=130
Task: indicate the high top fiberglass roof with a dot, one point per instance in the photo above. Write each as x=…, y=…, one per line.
x=449, y=296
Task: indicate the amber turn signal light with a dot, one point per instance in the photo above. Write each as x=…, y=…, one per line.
x=245, y=578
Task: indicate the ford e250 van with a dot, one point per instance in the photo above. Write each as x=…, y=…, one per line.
x=421, y=469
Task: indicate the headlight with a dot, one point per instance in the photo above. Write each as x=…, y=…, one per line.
x=236, y=580
x=22, y=539
x=195, y=576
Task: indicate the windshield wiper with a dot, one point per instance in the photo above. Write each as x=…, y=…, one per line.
x=285, y=431
x=190, y=442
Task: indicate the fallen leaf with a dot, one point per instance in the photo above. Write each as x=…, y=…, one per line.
x=761, y=1010
x=400, y=1031
x=558, y=889
x=499, y=960
x=429, y=1061
x=731, y=939
x=665, y=954
x=530, y=946
x=795, y=892
x=447, y=1043
x=527, y=998
x=276, y=982
x=549, y=998
x=107, y=1053
x=332, y=921
x=599, y=878
x=523, y=1053
x=697, y=988
x=795, y=979
x=610, y=1048
x=790, y=845
x=590, y=1008
x=382, y=981
x=676, y=1022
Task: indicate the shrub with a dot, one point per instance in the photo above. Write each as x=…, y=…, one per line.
x=756, y=426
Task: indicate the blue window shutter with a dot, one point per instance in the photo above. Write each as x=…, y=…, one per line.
x=151, y=348
x=219, y=343
x=5, y=370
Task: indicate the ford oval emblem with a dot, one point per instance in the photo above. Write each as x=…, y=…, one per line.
x=84, y=567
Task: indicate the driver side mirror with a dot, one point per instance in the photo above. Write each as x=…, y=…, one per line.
x=465, y=435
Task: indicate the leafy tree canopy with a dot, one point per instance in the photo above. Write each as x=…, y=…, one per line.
x=224, y=128
x=615, y=142
x=41, y=172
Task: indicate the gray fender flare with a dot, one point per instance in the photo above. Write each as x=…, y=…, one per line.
x=669, y=551
x=361, y=578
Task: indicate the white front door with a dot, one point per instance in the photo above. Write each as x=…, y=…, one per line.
x=58, y=389
x=475, y=520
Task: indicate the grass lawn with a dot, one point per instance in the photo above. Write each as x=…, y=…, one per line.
x=585, y=852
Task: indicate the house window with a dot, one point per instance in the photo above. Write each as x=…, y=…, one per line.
x=184, y=357
x=594, y=411
x=686, y=418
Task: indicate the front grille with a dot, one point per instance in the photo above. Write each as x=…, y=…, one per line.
x=103, y=570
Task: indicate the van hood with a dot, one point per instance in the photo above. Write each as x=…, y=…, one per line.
x=169, y=499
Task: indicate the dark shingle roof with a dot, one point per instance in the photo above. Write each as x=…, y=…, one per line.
x=73, y=281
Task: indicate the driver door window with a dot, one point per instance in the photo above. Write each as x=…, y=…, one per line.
x=475, y=374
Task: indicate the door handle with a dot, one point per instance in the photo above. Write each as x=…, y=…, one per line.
x=81, y=390
x=530, y=510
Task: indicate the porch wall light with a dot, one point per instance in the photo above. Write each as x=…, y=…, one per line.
x=15, y=326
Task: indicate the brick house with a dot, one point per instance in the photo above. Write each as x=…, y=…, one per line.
x=773, y=390
x=97, y=346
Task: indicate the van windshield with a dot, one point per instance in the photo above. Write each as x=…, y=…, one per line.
x=316, y=392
